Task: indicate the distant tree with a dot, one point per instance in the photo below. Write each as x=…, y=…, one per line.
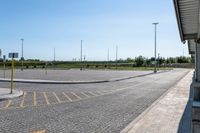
x=171, y=60
x=129, y=60
x=161, y=60
x=181, y=59
x=148, y=62
x=139, y=61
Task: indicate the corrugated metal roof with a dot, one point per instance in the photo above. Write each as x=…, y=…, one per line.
x=187, y=13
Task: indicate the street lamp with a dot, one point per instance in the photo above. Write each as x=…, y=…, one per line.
x=155, y=62
x=22, y=58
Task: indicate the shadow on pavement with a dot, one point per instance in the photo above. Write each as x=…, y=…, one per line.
x=186, y=119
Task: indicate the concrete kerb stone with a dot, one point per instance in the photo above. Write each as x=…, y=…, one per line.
x=5, y=93
x=76, y=82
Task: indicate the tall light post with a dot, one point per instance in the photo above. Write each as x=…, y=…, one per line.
x=81, y=55
x=22, y=58
x=155, y=62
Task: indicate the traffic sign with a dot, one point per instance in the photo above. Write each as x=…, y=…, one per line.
x=13, y=55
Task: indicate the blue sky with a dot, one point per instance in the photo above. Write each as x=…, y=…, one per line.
x=101, y=24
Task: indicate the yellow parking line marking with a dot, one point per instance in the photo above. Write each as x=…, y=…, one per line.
x=76, y=95
x=46, y=98
x=8, y=103
x=57, y=98
x=39, y=131
x=34, y=99
x=85, y=94
x=67, y=97
x=22, y=101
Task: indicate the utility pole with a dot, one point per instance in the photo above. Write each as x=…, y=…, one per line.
x=155, y=62
x=116, y=55
x=22, y=58
x=81, y=55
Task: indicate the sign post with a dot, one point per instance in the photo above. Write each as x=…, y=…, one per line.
x=12, y=55
x=4, y=66
x=12, y=75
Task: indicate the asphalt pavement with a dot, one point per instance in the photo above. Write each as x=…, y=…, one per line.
x=99, y=108
x=71, y=74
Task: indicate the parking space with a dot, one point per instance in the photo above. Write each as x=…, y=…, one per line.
x=37, y=99
x=71, y=75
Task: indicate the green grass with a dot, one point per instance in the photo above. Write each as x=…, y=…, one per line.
x=88, y=65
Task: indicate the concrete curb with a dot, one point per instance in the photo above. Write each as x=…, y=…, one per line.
x=5, y=93
x=53, y=81
x=75, y=82
x=137, y=119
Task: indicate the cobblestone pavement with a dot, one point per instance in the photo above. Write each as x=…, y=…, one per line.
x=36, y=99
x=97, y=108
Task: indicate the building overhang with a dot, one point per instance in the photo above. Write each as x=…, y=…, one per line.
x=187, y=14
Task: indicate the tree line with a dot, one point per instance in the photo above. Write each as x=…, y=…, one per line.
x=143, y=61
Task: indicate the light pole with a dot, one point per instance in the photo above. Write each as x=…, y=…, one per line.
x=22, y=58
x=155, y=62
x=81, y=54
